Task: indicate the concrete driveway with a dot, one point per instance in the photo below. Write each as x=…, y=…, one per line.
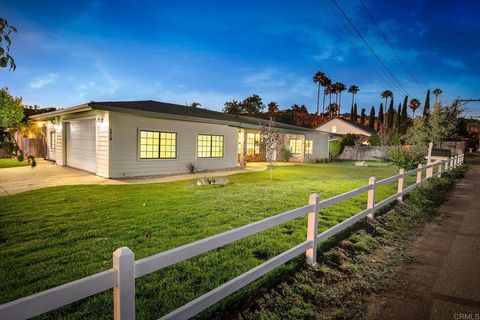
x=47, y=174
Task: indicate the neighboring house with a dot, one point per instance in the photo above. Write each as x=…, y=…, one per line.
x=140, y=138
x=342, y=126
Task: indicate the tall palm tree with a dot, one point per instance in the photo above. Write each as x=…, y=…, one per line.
x=340, y=88
x=326, y=82
x=414, y=105
x=272, y=109
x=387, y=94
x=318, y=79
x=353, y=90
x=436, y=92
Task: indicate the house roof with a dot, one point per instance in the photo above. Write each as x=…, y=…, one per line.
x=172, y=111
x=353, y=123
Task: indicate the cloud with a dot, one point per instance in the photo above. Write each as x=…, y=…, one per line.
x=265, y=78
x=42, y=82
x=112, y=84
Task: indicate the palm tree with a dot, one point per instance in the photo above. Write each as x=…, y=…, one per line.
x=329, y=90
x=272, y=109
x=436, y=92
x=319, y=79
x=353, y=90
x=326, y=82
x=340, y=88
x=387, y=94
x=414, y=105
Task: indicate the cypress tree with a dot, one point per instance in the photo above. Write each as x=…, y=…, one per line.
x=390, y=113
x=426, y=108
x=355, y=112
x=371, y=118
x=351, y=113
x=362, y=117
x=380, y=116
x=404, y=116
x=398, y=117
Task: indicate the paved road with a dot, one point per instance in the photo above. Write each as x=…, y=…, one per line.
x=443, y=279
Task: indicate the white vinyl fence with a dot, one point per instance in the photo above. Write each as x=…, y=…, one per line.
x=125, y=269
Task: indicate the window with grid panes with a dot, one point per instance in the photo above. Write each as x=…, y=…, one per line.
x=308, y=146
x=253, y=143
x=296, y=146
x=209, y=146
x=158, y=145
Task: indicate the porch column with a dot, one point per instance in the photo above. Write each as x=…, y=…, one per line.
x=244, y=153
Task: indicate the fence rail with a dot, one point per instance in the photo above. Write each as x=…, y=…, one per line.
x=125, y=270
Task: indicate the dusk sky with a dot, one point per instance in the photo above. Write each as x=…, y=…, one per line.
x=68, y=53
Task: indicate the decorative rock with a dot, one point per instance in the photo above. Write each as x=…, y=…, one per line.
x=361, y=164
x=216, y=181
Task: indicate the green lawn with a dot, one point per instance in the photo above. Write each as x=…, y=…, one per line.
x=12, y=162
x=52, y=236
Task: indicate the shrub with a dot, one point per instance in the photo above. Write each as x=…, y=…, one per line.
x=349, y=139
x=191, y=167
x=286, y=154
x=336, y=148
x=407, y=159
x=374, y=140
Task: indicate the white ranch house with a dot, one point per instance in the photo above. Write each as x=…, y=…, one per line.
x=141, y=138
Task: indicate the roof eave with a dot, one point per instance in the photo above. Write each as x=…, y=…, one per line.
x=52, y=114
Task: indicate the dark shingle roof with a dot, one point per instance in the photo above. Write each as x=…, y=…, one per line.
x=353, y=123
x=185, y=111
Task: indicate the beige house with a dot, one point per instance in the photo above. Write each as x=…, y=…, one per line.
x=341, y=126
x=141, y=138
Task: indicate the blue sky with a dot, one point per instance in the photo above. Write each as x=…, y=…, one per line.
x=71, y=52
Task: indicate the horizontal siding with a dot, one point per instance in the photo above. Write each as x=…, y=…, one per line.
x=320, y=146
x=103, y=145
x=51, y=152
x=124, y=160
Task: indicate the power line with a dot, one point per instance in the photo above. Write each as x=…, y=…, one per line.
x=342, y=30
x=391, y=46
x=370, y=48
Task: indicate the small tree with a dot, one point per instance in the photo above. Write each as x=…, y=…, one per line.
x=270, y=139
x=371, y=118
x=11, y=116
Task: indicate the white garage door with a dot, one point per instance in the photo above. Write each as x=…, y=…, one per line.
x=81, y=145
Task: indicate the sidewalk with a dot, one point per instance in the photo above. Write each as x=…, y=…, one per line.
x=443, y=279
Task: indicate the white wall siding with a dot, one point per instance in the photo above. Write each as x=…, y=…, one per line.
x=124, y=153
x=59, y=158
x=51, y=153
x=320, y=146
x=103, y=144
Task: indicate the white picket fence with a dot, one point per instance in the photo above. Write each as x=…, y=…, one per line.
x=125, y=269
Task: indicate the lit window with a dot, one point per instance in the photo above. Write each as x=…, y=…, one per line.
x=296, y=146
x=209, y=146
x=253, y=143
x=158, y=145
x=334, y=129
x=53, y=140
x=308, y=146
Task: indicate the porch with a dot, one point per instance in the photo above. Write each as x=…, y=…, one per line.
x=252, y=149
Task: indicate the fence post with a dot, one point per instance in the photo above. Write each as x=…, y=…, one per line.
x=400, y=184
x=447, y=162
x=440, y=166
x=312, y=230
x=429, y=171
x=124, y=291
x=371, y=198
x=419, y=173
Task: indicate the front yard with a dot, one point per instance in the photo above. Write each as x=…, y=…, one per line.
x=11, y=162
x=55, y=235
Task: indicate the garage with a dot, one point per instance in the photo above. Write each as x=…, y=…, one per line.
x=80, y=145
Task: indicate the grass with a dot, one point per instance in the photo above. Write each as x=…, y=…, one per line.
x=55, y=235
x=12, y=162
